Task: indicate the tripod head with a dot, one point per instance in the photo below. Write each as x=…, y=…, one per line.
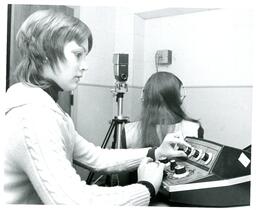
x=120, y=89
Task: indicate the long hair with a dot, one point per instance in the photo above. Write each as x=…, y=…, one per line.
x=161, y=106
x=41, y=39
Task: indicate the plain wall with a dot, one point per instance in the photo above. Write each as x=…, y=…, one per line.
x=210, y=48
x=225, y=113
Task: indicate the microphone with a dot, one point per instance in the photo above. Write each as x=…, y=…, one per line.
x=120, y=62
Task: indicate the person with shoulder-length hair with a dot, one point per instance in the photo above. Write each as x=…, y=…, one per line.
x=41, y=140
x=162, y=113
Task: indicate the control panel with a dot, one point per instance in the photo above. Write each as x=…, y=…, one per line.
x=211, y=175
x=201, y=158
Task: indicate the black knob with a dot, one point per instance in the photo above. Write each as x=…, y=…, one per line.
x=173, y=164
x=180, y=169
x=205, y=156
x=196, y=153
x=188, y=151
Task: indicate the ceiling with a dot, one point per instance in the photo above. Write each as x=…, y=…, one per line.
x=170, y=12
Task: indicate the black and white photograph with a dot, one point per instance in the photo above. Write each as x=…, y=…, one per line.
x=125, y=104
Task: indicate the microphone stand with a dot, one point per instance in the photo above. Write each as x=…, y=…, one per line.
x=116, y=125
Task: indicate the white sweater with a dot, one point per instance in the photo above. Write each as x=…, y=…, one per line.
x=40, y=147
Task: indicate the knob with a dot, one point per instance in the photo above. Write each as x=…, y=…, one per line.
x=188, y=151
x=180, y=172
x=197, y=154
x=206, y=157
x=173, y=164
x=180, y=169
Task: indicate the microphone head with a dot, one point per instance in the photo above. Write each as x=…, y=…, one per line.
x=120, y=62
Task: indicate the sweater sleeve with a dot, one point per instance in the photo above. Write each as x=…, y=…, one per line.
x=108, y=160
x=47, y=163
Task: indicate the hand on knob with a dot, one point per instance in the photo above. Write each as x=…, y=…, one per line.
x=168, y=148
x=151, y=171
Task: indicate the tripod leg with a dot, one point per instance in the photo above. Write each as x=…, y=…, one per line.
x=113, y=179
x=113, y=146
x=109, y=132
x=104, y=144
x=89, y=178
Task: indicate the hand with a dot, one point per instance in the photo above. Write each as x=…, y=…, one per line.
x=151, y=171
x=168, y=148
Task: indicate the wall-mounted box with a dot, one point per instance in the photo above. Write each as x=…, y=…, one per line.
x=164, y=57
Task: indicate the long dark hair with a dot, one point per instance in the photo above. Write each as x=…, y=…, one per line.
x=161, y=106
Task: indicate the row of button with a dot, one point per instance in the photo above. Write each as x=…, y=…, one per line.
x=198, y=154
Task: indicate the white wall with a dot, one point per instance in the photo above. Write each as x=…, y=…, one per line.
x=225, y=113
x=101, y=21
x=138, y=51
x=209, y=48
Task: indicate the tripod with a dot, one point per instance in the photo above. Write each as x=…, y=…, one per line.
x=116, y=125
